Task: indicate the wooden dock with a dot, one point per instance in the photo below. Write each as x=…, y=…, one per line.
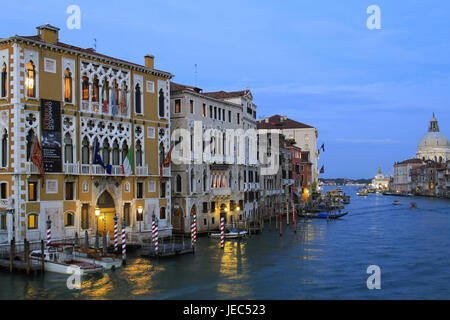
x=16, y=256
x=166, y=250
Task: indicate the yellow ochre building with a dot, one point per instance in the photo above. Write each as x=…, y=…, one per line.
x=73, y=99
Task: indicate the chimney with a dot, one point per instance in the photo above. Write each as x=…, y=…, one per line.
x=149, y=61
x=48, y=33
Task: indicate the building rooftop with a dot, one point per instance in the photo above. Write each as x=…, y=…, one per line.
x=281, y=122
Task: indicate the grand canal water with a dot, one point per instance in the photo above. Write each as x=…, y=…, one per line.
x=323, y=260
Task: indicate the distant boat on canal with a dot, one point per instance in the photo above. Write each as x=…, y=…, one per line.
x=396, y=202
x=322, y=215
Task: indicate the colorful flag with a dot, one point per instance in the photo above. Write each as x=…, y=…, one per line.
x=127, y=166
x=322, y=170
x=37, y=159
x=98, y=160
x=105, y=99
x=165, y=163
x=113, y=98
x=122, y=101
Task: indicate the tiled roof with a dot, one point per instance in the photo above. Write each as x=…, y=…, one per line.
x=179, y=87
x=88, y=51
x=279, y=122
x=226, y=95
x=413, y=160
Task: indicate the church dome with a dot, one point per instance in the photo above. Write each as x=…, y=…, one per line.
x=433, y=138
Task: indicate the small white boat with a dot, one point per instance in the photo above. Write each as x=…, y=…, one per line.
x=107, y=261
x=230, y=234
x=63, y=262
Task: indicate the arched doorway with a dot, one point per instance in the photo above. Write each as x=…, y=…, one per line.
x=107, y=210
x=177, y=219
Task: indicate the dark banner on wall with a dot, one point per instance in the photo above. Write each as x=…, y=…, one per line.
x=51, y=135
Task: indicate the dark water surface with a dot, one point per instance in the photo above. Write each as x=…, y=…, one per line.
x=322, y=261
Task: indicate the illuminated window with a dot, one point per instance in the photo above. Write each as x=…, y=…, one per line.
x=69, y=219
x=67, y=86
x=32, y=190
x=204, y=110
x=32, y=221
x=30, y=80
x=85, y=88
x=95, y=90
x=85, y=216
x=4, y=81
x=192, y=106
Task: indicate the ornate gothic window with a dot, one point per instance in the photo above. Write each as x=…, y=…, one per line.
x=178, y=184
x=85, y=151
x=85, y=88
x=137, y=99
x=105, y=152
x=95, y=90
x=161, y=154
x=138, y=154
x=67, y=86
x=30, y=141
x=4, y=148
x=4, y=84
x=68, y=149
x=30, y=80
x=115, y=153
x=124, y=151
x=161, y=103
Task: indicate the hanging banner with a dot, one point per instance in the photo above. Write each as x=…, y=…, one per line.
x=51, y=135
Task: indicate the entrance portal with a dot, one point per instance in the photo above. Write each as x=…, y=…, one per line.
x=105, y=220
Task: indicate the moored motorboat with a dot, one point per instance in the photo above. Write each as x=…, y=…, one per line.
x=308, y=215
x=63, y=262
x=396, y=202
x=107, y=261
x=230, y=234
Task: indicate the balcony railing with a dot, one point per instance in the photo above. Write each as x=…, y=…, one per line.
x=141, y=171
x=71, y=168
x=31, y=168
x=221, y=191
x=166, y=172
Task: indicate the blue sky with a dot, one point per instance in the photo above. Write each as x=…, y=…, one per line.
x=370, y=93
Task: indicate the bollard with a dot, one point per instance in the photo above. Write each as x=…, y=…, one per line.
x=222, y=233
x=287, y=213
x=12, y=253
x=42, y=257
x=26, y=248
x=124, y=244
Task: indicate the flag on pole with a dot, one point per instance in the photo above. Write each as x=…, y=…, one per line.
x=113, y=98
x=122, y=101
x=98, y=160
x=323, y=147
x=105, y=99
x=127, y=166
x=36, y=158
x=165, y=163
x=322, y=170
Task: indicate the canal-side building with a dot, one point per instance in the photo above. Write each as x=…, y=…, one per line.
x=212, y=175
x=380, y=181
x=305, y=137
x=85, y=113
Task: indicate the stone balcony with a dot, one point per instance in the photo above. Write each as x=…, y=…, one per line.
x=93, y=169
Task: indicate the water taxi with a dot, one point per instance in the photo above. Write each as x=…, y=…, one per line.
x=396, y=202
x=107, y=261
x=230, y=234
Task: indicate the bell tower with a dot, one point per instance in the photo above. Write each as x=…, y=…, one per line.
x=433, y=127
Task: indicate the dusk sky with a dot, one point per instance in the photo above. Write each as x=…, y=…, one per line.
x=370, y=93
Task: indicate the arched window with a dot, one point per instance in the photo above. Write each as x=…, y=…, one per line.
x=69, y=219
x=68, y=149
x=161, y=103
x=32, y=221
x=138, y=154
x=440, y=159
x=124, y=151
x=4, y=81
x=115, y=153
x=105, y=96
x=137, y=99
x=67, y=86
x=85, y=88
x=116, y=92
x=205, y=181
x=178, y=183
x=30, y=141
x=85, y=151
x=192, y=181
x=161, y=154
x=4, y=148
x=30, y=80
x=95, y=90
x=105, y=152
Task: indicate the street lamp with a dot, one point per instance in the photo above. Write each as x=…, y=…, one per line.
x=140, y=210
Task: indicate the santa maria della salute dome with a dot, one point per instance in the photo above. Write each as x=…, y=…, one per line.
x=434, y=144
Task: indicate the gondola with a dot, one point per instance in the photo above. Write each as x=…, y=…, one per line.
x=322, y=215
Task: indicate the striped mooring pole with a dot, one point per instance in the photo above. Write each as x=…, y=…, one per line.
x=287, y=213
x=124, y=244
x=116, y=235
x=156, y=240
x=195, y=229
x=222, y=232
x=294, y=217
x=192, y=231
x=49, y=231
x=153, y=230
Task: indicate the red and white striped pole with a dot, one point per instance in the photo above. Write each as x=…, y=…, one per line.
x=124, y=244
x=195, y=229
x=222, y=232
x=49, y=231
x=192, y=231
x=116, y=235
x=156, y=237
x=294, y=217
x=153, y=230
